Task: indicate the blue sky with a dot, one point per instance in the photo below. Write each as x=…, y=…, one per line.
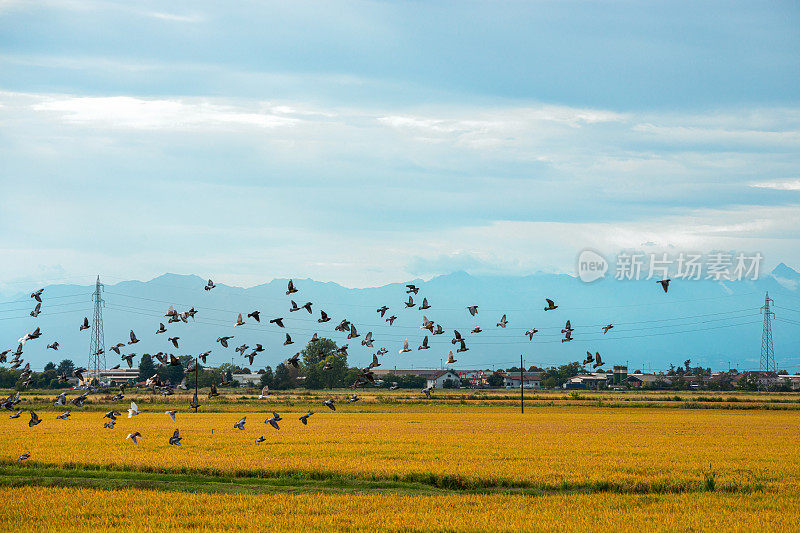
x=370, y=142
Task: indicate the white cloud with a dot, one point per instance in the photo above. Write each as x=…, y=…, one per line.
x=778, y=185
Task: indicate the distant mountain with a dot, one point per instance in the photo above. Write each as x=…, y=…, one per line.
x=711, y=323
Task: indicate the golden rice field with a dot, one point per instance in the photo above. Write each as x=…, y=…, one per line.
x=410, y=467
x=58, y=509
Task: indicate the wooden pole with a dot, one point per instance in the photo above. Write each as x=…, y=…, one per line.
x=521, y=386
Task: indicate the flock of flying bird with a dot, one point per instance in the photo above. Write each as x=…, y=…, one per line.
x=365, y=375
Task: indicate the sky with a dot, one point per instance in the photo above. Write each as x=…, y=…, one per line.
x=374, y=142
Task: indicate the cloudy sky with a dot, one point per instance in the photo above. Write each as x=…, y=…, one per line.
x=371, y=142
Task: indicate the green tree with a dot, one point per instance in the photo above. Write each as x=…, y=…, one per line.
x=66, y=366
x=495, y=380
x=316, y=356
x=267, y=378
x=50, y=366
x=146, y=367
x=285, y=377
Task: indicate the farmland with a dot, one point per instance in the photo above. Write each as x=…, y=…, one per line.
x=392, y=453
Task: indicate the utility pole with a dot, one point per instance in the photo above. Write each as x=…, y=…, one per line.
x=521, y=386
x=97, y=355
x=767, y=352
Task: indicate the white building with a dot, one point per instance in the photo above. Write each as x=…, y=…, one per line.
x=438, y=379
x=111, y=376
x=248, y=380
x=530, y=380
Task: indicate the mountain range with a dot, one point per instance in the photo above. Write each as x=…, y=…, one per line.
x=712, y=324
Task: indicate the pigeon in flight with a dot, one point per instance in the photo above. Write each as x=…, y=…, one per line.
x=133, y=411
x=241, y=349
x=85, y=324
x=203, y=356
x=374, y=362
x=567, y=327
x=463, y=347
x=36, y=310
x=291, y=289
x=109, y=424
x=606, y=328
x=598, y=360
x=354, y=398
x=171, y=414
x=273, y=420
x=129, y=359
x=135, y=436
x=391, y=319
x=175, y=439
x=367, y=340
x=64, y=415
x=260, y=439
x=210, y=285
x=255, y=315
x=304, y=418
x=450, y=358
x=116, y=347
x=353, y=333
x=382, y=310
x=174, y=341
x=161, y=328
x=278, y=322
x=295, y=360
x=405, y=347
x=133, y=340
x=567, y=336
x=424, y=345
x=410, y=302
x=224, y=340
x=34, y=419
x=240, y=424
x=264, y=393
x=24, y=456
x=473, y=309
x=425, y=304
x=426, y=324
x=288, y=340
x=323, y=317
x=530, y=333
x=412, y=288
x=17, y=413
x=503, y=322
x=589, y=358
x=329, y=404
x=550, y=305
x=476, y=329
x=37, y=295
x=427, y=392
x=53, y=346
x=457, y=337
x=664, y=284
x=239, y=321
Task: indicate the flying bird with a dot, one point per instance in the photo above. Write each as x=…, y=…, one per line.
x=412, y=288
x=382, y=310
x=463, y=347
x=133, y=340
x=295, y=360
x=288, y=340
x=367, y=340
x=24, y=456
x=34, y=419
x=277, y=321
x=329, y=404
x=410, y=302
x=85, y=324
x=161, y=328
x=135, y=436
x=304, y=418
x=450, y=358
x=473, y=309
x=664, y=284
x=174, y=341
x=323, y=317
x=240, y=424
x=291, y=289
x=37, y=295
x=425, y=304
x=260, y=439
x=503, y=322
x=550, y=305
x=224, y=341
x=530, y=333
x=239, y=321
x=36, y=310
x=53, y=346
x=171, y=414
x=175, y=439
x=424, y=345
x=134, y=410
x=405, y=347
x=606, y=328
x=210, y=285
x=255, y=315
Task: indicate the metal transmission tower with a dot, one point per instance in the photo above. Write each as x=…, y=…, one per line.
x=97, y=354
x=767, y=353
